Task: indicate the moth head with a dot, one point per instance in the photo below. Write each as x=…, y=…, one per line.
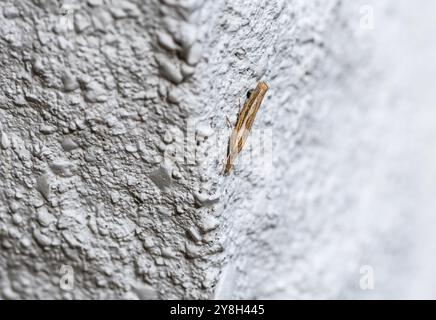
x=249, y=92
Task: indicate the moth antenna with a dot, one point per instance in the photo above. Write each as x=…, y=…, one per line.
x=229, y=124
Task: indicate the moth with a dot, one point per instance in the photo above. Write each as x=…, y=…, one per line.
x=244, y=123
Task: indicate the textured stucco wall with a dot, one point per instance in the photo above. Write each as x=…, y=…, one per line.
x=112, y=137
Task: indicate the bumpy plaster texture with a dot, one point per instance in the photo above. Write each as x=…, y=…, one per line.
x=112, y=139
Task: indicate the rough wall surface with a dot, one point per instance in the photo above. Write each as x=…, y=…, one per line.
x=111, y=120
